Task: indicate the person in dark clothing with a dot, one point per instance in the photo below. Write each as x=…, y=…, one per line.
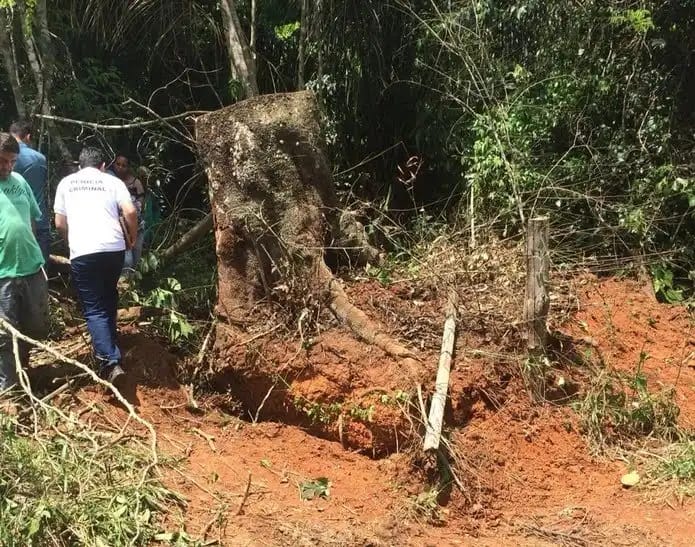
x=88, y=208
x=31, y=164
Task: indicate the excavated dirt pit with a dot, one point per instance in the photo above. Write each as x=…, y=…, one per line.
x=528, y=475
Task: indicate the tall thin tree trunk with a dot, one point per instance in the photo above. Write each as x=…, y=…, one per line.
x=303, y=36
x=38, y=62
x=45, y=46
x=241, y=60
x=9, y=61
x=252, y=34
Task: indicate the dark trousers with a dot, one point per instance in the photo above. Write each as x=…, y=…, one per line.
x=24, y=305
x=95, y=276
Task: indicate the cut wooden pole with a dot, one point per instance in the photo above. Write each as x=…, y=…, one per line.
x=434, y=422
x=537, y=298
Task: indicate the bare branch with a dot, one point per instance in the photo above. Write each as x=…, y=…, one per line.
x=116, y=127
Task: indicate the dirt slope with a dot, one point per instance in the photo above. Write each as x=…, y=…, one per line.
x=529, y=476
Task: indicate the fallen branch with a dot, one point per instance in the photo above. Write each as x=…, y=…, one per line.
x=136, y=313
x=59, y=260
x=434, y=423
x=117, y=127
x=17, y=335
x=188, y=239
x=246, y=496
x=209, y=438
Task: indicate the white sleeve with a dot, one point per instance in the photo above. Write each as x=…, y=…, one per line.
x=59, y=203
x=122, y=193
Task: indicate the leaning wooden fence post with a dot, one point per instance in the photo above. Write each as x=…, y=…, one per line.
x=537, y=299
x=433, y=432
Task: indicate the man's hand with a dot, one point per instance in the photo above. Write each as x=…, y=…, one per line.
x=130, y=219
x=61, y=222
x=129, y=243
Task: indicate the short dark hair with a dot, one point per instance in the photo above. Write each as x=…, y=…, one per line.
x=21, y=128
x=91, y=157
x=8, y=144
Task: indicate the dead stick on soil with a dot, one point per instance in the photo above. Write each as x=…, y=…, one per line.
x=246, y=496
x=434, y=423
x=63, y=387
x=4, y=325
x=204, y=347
x=209, y=438
x=267, y=395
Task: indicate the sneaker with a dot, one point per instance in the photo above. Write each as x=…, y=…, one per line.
x=113, y=374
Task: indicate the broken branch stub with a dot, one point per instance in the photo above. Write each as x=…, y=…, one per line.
x=275, y=212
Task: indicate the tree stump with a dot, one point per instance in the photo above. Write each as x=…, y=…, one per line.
x=276, y=212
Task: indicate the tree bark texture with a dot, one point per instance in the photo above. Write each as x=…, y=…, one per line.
x=275, y=211
x=9, y=62
x=242, y=63
x=41, y=63
x=303, y=37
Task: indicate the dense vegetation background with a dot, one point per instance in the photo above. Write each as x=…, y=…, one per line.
x=437, y=112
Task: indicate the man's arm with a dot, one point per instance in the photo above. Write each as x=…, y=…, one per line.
x=130, y=215
x=62, y=225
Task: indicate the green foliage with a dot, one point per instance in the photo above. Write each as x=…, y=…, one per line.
x=98, y=93
x=328, y=413
x=618, y=408
x=316, y=488
x=639, y=20
x=63, y=489
x=664, y=285
x=584, y=128
x=164, y=296
x=318, y=413
x=285, y=32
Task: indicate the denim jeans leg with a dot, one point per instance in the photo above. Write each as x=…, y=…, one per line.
x=9, y=306
x=95, y=277
x=111, y=276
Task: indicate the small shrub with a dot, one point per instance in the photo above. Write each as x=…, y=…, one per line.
x=620, y=408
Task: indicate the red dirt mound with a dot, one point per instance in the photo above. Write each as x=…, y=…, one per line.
x=629, y=327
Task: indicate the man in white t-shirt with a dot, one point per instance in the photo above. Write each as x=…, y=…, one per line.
x=88, y=208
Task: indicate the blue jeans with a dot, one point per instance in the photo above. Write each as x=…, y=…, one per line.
x=24, y=305
x=95, y=276
x=132, y=256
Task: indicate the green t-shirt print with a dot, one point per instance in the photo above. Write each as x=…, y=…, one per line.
x=20, y=255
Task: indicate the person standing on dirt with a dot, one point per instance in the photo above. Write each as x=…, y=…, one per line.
x=23, y=284
x=88, y=208
x=121, y=168
x=31, y=164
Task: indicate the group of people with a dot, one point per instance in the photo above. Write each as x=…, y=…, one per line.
x=99, y=213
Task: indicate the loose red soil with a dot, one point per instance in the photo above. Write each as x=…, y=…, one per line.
x=528, y=473
x=625, y=323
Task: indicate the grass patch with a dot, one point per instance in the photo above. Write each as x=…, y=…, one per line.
x=60, y=488
x=619, y=408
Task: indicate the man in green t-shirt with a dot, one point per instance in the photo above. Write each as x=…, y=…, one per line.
x=23, y=285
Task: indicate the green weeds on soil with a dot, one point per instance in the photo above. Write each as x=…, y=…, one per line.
x=61, y=487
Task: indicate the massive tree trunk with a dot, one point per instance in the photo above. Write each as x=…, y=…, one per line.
x=275, y=211
x=276, y=214
x=241, y=59
x=9, y=60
